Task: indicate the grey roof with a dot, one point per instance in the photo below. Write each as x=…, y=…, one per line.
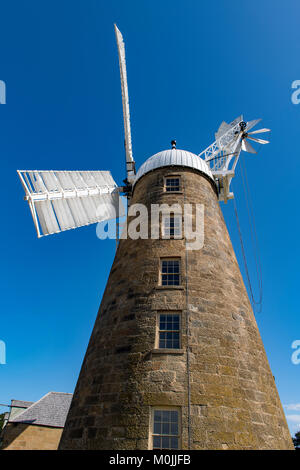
x=50, y=410
x=21, y=404
x=173, y=157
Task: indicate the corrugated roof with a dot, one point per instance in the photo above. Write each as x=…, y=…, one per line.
x=50, y=410
x=173, y=157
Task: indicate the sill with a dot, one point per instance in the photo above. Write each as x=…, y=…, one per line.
x=171, y=238
x=173, y=192
x=170, y=287
x=167, y=351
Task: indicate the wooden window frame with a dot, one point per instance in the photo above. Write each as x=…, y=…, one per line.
x=174, y=236
x=152, y=434
x=161, y=273
x=157, y=335
x=176, y=176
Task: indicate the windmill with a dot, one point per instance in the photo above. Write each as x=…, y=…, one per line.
x=175, y=359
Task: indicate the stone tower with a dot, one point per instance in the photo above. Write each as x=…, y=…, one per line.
x=175, y=359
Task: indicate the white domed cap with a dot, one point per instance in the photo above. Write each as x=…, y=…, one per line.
x=173, y=157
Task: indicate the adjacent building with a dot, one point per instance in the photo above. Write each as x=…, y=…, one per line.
x=36, y=425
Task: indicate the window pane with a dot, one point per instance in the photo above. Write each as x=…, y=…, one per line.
x=157, y=415
x=174, y=443
x=165, y=442
x=156, y=442
x=174, y=429
x=157, y=428
x=165, y=428
x=174, y=416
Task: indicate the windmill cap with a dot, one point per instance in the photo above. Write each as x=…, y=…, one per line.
x=173, y=157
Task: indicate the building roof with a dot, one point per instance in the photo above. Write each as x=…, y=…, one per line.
x=173, y=157
x=21, y=404
x=51, y=410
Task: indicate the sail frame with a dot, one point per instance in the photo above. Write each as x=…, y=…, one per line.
x=64, y=200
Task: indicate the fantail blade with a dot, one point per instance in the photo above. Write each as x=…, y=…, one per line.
x=260, y=141
x=247, y=147
x=260, y=131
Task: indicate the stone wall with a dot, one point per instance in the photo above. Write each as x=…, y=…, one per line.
x=20, y=436
x=223, y=388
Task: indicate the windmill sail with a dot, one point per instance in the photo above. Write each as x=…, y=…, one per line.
x=62, y=200
x=130, y=164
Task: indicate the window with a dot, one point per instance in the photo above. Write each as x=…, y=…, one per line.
x=170, y=272
x=165, y=429
x=172, y=184
x=172, y=226
x=169, y=331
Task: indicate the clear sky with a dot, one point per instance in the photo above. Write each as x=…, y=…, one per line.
x=190, y=65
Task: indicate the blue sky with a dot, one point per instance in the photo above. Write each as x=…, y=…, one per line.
x=190, y=65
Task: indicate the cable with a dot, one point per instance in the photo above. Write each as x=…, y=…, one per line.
x=253, y=230
x=258, y=266
x=243, y=250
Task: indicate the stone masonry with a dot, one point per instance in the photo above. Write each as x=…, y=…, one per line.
x=20, y=436
x=224, y=387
